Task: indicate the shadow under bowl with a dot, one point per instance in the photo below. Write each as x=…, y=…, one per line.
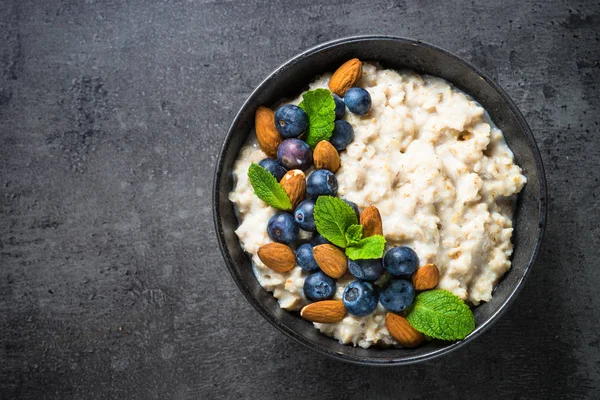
x=396, y=53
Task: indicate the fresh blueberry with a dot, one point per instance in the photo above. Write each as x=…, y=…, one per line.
x=343, y=135
x=318, y=286
x=358, y=100
x=321, y=182
x=366, y=270
x=291, y=121
x=319, y=239
x=304, y=215
x=360, y=298
x=282, y=228
x=274, y=167
x=397, y=296
x=401, y=261
x=294, y=154
x=340, y=107
x=354, y=207
x=305, y=258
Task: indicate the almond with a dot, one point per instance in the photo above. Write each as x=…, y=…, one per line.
x=370, y=219
x=277, y=256
x=266, y=132
x=345, y=76
x=331, y=260
x=294, y=184
x=402, y=331
x=427, y=277
x=325, y=312
x=325, y=156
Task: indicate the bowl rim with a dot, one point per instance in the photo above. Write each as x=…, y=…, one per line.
x=361, y=360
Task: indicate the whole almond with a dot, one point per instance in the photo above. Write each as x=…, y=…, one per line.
x=325, y=156
x=325, y=312
x=331, y=260
x=277, y=256
x=266, y=132
x=370, y=219
x=427, y=277
x=345, y=76
x=294, y=184
x=402, y=331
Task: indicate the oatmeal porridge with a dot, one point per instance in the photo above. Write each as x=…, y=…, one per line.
x=440, y=174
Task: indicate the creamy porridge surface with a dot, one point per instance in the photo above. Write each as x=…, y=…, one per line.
x=440, y=173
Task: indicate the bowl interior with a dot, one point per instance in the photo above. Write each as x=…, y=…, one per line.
x=293, y=77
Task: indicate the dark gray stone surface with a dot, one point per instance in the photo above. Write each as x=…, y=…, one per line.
x=111, y=116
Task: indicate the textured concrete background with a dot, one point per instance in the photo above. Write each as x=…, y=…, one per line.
x=111, y=116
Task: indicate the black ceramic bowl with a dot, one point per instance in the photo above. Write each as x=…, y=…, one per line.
x=392, y=52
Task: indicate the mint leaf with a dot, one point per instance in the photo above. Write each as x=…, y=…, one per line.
x=441, y=315
x=370, y=247
x=320, y=108
x=333, y=217
x=353, y=234
x=267, y=188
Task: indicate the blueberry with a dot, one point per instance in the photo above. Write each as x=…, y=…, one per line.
x=360, y=298
x=282, y=228
x=294, y=154
x=305, y=258
x=304, y=215
x=401, y=261
x=354, y=207
x=274, y=167
x=398, y=295
x=340, y=107
x=321, y=182
x=358, y=100
x=319, y=239
x=291, y=121
x=318, y=286
x=343, y=135
x=366, y=270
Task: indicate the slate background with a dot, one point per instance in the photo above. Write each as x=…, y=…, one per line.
x=111, y=116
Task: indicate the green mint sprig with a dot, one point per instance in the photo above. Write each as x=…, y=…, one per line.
x=369, y=247
x=320, y=108
x=267, y=188
x=353, y=234
x=333, y=217
x=441, y=315
x=337, y=222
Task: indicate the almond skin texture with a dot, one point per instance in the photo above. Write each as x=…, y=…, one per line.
x=331, y=260
x=325, y=312
x=402, y=331
x=277, y=256
x=427, y=277
x=325, y=156
x=294, y=184
x=266, y=132
x=370, y=219
x=345, y=76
